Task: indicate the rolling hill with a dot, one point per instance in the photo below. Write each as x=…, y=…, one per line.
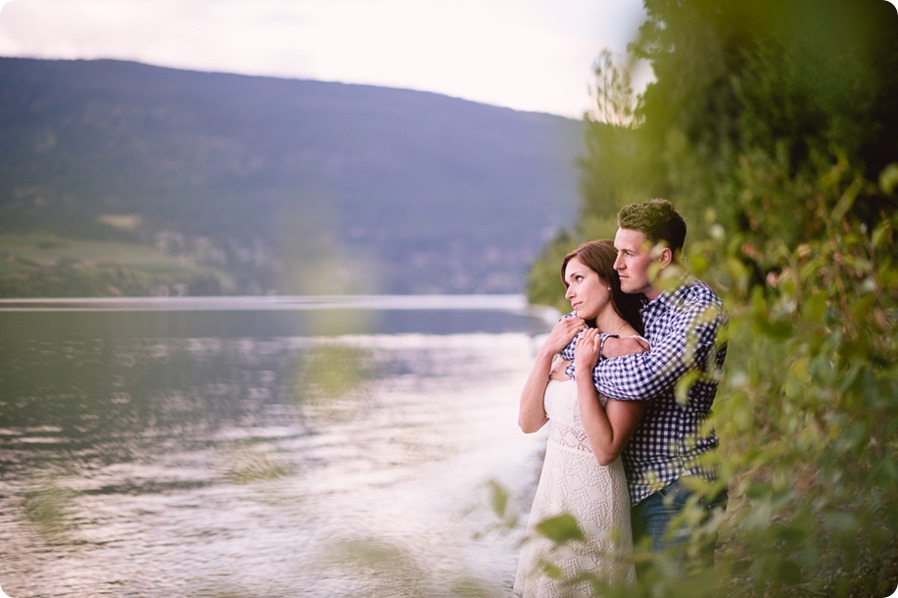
x=269, y=185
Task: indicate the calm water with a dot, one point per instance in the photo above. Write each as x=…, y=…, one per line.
x=279, y=447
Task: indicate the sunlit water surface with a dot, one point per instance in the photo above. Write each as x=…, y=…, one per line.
x=263, y=452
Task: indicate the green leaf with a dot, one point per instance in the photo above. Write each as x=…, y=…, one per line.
x=814, y=307
x=561, y=529
x=787, y=571
x=888, y=179
x=776, y=328
x=499, y=498
x=842, y=522
x=684, y=384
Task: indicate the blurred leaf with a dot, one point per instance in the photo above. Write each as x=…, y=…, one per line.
x=842, y=522
x=247, y=466
x=499, y=498
x=334, y=369
x=888, y=179
x=776, y=328
x=561, y=529
x=684, y=384
x=814, y=307
x=551, y=570
x=787, y=571
x=48, y=506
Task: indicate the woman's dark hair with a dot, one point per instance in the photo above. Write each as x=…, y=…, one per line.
x=599, y=257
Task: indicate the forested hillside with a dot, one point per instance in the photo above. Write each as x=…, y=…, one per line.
x=239, y=184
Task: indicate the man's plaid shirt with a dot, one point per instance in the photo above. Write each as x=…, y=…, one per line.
x=678, y=378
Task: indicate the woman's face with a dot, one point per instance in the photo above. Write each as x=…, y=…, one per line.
x=586, y=291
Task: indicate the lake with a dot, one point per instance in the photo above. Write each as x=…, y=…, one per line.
x=264, y=446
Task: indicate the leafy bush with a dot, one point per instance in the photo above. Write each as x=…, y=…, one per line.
x=785, y=165
x=808, y=410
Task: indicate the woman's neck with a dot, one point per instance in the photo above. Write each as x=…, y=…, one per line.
x=610, y=321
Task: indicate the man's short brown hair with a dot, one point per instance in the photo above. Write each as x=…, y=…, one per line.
x=658, y=220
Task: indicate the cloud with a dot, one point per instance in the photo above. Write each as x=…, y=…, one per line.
x=527, y=54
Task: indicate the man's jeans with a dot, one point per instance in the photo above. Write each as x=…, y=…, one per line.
x=653, y=515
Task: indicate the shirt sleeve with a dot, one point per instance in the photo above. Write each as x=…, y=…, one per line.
x=685, y=343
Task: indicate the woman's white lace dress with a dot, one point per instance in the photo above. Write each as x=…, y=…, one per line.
x=572, y=481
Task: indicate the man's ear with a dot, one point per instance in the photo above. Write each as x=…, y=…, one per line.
x=665, y=257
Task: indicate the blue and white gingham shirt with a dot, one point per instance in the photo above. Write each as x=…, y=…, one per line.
x=684, y=328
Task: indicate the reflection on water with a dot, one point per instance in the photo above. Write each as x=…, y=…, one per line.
x=157, y=454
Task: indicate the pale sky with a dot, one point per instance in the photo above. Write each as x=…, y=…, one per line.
x=525, y=54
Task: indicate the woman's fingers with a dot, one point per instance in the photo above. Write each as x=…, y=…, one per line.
x=586, y=352
x=563, y=332
x=589, y=334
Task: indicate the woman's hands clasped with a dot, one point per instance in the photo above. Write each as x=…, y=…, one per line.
x=562, y=334
x=532, y=414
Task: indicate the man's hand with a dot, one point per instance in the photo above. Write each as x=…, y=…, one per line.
x=618, y=347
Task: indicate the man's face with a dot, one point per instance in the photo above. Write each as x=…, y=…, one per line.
x=634, y=261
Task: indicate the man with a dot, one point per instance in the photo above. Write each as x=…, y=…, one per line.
x=677, y=377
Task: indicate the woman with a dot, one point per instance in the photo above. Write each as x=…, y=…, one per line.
x=581, y=474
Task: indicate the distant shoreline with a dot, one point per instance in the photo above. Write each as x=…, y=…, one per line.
x=499, y=302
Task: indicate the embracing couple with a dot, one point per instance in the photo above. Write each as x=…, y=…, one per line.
x=631, y=372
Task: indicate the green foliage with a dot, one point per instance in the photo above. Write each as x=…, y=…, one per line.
x=249, y=465
x=47, y=506
x=544, y=283
x=752, y=100
x=508, y=517
x=561, y=529
x=334, y=370
x=808, y=414
x=771, y=126
x=611, y=167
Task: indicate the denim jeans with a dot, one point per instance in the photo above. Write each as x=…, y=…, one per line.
x=652, y=518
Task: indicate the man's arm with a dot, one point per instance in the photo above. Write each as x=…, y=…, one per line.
x=615, y=346
x=685, y=344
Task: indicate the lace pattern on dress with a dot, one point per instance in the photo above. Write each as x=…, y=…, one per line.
x=569, y=437
x=572, y=481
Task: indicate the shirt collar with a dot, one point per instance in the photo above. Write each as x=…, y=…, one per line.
x=668, y=298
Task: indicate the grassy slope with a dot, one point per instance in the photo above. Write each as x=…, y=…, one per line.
x=49, y=265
